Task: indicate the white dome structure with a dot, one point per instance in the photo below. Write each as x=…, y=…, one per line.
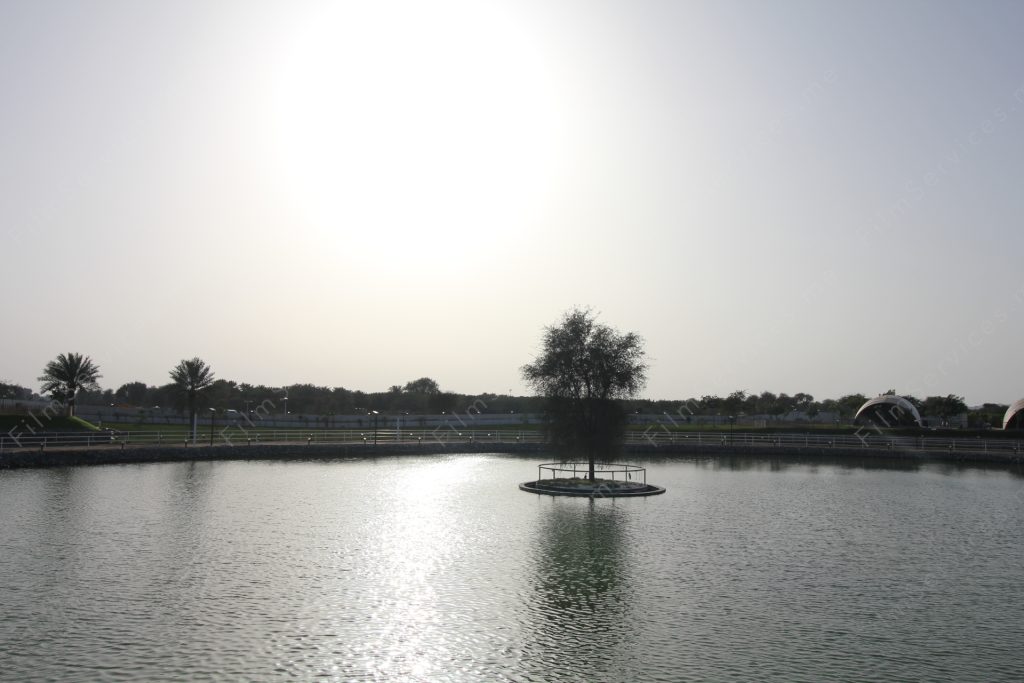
x=1014, y=417
x=888, y=411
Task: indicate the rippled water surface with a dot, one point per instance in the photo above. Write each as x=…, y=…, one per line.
x=440, y=569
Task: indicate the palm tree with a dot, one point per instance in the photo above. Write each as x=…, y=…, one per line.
x=64, y=376
x=192, y=378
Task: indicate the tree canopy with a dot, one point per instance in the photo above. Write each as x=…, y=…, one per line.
x=582, y=359
x=15, y=391
x=192, y=377
x=423, y=385
x=132, y=392
x=943, y=406
x=66, y=375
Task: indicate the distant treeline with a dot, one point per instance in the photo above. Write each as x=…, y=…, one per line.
x=424, y=396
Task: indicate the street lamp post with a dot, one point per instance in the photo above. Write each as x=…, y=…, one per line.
x=213, y=419
x=375, y=414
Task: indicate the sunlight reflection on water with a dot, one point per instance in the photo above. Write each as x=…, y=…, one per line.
x=430, y=569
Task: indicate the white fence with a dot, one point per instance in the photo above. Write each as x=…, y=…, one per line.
x=298, y=421
x=231, y=435
x=657, y=436
x=449, y=435
x=19, y=406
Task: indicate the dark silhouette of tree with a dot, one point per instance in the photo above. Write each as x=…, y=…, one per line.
x=802, y=401
x=988, y=415
x=784, y=403
x=134, y=393
x=914, y=401
x=766, y=403
x=15, y=392
x=221, y=393
x=94, y=397
x=954, y=405
x=710, y=403
x=192, y=377
x=944, y=407
x=64, y=376
x=733, y=403
x=423, y=385
x=445, y=401
x=583, y=369
x=341, y=401
x=849, y=405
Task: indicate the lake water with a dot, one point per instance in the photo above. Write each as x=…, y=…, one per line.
x=440, y=569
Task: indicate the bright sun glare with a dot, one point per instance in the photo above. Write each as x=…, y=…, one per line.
x=430, y=128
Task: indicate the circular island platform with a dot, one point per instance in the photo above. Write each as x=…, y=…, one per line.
x=610, y=480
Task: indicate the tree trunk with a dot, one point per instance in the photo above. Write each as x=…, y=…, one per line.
x=192, y=414
x=592, y=477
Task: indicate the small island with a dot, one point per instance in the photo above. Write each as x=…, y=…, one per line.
x=610, y=480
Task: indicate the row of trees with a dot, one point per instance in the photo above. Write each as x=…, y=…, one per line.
x=310, y=399
x=768, y=403
x=72, y=379
x=425, y=397
x=71, y=375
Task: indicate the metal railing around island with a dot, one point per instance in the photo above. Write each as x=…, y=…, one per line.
x=602, y=470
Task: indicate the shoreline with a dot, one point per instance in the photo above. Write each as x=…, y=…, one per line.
x=121, y=455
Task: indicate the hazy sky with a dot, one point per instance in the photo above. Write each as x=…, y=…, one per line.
x=791, y=196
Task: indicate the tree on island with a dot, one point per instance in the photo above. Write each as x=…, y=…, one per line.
x=192, y=378
x=583, y=371
x=68, y=374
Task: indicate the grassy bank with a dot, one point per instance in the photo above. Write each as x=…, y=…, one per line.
x=43, y=423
